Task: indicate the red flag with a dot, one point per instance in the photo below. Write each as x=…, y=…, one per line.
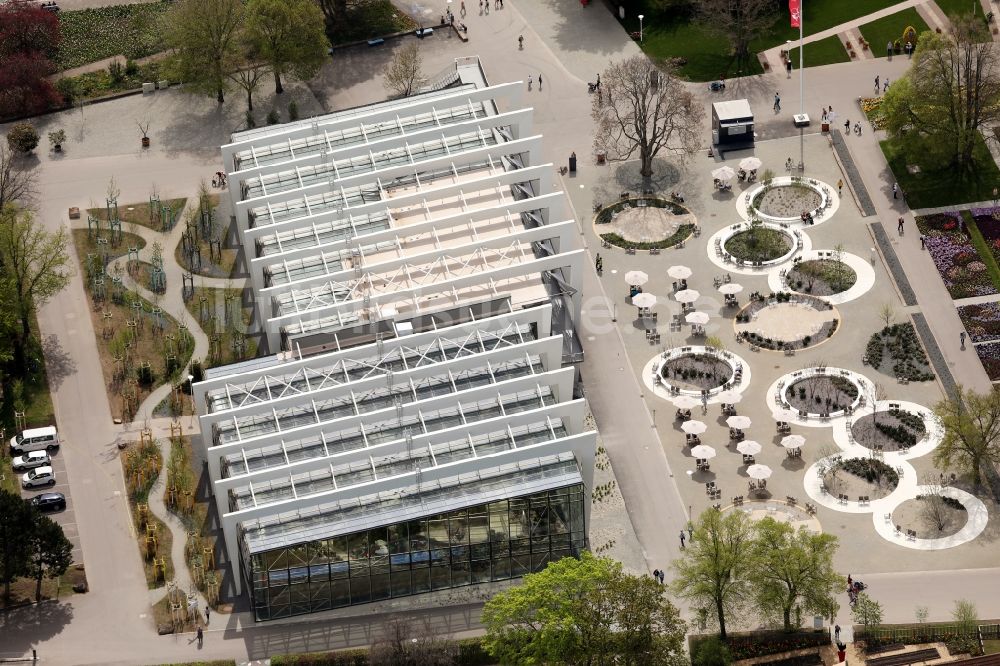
x=795, y=11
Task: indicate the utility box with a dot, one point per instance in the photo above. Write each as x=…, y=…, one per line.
x=732, y=125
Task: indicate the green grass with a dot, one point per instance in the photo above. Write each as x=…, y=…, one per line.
x=945, y=186
x=955, y=8
x=670, y=35
x=991, y=647
x=890, y=28
x=90, y=35
x=986, y=252
x=823, y=52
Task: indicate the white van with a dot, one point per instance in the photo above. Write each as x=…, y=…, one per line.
x=35, y=439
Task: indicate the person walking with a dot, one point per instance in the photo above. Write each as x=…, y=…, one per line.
x=923, y=245
x=895, y=190
x=876, y=83
x=656, y=575
x=885, y=86
x=462, y=9
x=201, y=637
x=480, y=7
x=777, y=102
x=520, y=42
x=663, y=576
x=888, y=51
x=899, y=226
x=995, y=196
x=682, y=531
x=840, y=187
x=857, y=127
x=961, y=337
x=207, y=609
x=539, y=83
x=836, y=633
x=847, y=126
x=530, y=81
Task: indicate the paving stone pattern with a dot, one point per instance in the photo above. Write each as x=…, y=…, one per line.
x=892, y=261
x=857, y=184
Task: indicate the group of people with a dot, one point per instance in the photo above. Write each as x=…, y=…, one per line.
x=748, y=176
x=885, y=84
x=854, y=588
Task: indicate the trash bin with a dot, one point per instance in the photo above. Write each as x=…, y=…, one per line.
x=572, y=163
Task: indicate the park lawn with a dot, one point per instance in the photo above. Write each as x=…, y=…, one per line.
x=890, y=28
x=943, y=187
x=89, y=35
x=991, y=647
x=956, y=8
x=823, y=52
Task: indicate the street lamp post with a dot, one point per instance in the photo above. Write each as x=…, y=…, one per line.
x=640, y=27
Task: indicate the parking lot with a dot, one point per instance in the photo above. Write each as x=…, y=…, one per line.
x=67, y=518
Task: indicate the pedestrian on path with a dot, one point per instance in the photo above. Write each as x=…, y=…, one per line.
x=682, y=531
x=201, y=637
x=656, y=575
x=836, y=633
x=207, y=609
x=995, y=196
x=961, y=337
x=923, y=246
x=663, y=576
x=788, y=68
x=899, y=226
x=876, y=83
x=857, y=127
x=840, y=187
x=895, y=190
x=847, y=126
x=888, y=51
x=480, y=7
x=539, y=83
x=530, y=81
x=487, y=7
x=520, y=42
x=777, y=102
x=885, y=86
x=462, y=9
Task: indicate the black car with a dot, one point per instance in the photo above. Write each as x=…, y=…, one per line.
x=49, y=502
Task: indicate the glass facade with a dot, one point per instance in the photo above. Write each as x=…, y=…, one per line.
x=488, y=542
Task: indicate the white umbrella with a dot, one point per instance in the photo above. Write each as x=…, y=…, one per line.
x=729, y=397
x=644, y=300
x=685, y=401
x=636, y=278
x=750, y=163
x=793, y=441
x=703, y=451
x=679, y=272
x=748, y=447
x=730, y=288
x=758, y=471
x=724, y=173
x=696, y=318
x=687, y=296
x=784, y=415
x=693, y=427
x=739, y=422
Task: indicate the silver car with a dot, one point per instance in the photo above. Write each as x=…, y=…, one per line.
x=39, y=477
x=31, y=460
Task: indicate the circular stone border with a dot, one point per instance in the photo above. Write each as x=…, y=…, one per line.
x=827, y=194
x=977, y=515
x=812, y=482
x=633, y=203
x=776, y=392
x=839, y=318
x=862, y=269
x=774, y=504
x=800, y=243
x=653, y=380
x=931, y=440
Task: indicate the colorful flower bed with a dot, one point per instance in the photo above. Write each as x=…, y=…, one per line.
x=89, y=35
x=988, y=221
x=982, y=321
x=989, y=356
x=957, y=261
x=872, y=107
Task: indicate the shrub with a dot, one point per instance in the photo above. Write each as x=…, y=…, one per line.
x=67, y=88
x=273, y=118
x=22, y=138
x=131, y=68
x=711, y=652
x=293, y=110
x=871, y=470
x=116, y=71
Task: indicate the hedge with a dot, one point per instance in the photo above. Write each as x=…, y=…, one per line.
x=470, y=653
x=763, y=643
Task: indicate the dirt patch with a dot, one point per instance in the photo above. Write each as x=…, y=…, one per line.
x=930, y=517
x=787, y=200
x=647, y=224
x=697, y=372
x=822, y=394
x=821, y=277
x=839, y=481
x=892, y=431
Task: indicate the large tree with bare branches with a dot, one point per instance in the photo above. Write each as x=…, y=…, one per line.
x=642, y=110
x=950, y=93
x=971, y=432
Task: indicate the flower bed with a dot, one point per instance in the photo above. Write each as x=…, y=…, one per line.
x=872, y=107
x=989, y=356
x=982, y=321
x=956, y=259
x=905, y=354
x=90, y=35
x=759, y=244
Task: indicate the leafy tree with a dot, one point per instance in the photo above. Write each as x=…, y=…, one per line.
x=966, y=616
x=971, y=432
x=29, y=38
x=867, y=611
x=35, y=266
x=950, y=94
x=249, y=70
x=289, y=36
x=403, y=75
x=17, y=184
x=793, y=572
x=711, y=573
x=711, y=652
x=636, y=119
x=50, y=552
x=739, y=21
x=22, y=138
x=586, y=611
x=15, y=523
x=204, y=36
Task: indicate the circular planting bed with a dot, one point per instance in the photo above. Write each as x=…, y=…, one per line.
x=644, y=224
x=931, y=516
x=696, y=372
x=822, y=394
x=786, y=321
x=786, y=201
x=856, y=477
x=762, y=244
x=895, y=430
x=821, y=277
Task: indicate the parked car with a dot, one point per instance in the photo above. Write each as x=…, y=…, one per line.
x=38, y=477
x=31, y=460
x=35, y=439
x=48, y=502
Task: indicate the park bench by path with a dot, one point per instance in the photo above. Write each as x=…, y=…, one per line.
x=905, y=658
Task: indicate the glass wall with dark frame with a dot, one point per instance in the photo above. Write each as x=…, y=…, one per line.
x=488, y=542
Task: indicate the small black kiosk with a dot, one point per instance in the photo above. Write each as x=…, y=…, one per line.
x=732, y=126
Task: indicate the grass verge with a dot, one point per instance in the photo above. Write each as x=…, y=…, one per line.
x=139, y=213
x=890, y=28
x=931, y=188
x=22, y=590
x=823, y=52
x=89, y=35
x=961, y=8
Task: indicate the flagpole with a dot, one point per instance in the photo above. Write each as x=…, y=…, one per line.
x=802, y=100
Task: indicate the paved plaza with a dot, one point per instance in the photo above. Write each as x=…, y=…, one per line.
x=567, y=44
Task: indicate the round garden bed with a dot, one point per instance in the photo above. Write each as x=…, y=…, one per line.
x=821, y=277
x=696, y=372
x=931, y=516
x=762, y=244
x=786, y=321
x=895, y=430
x=857, y=477
x=822, y=394
x=786, y=201
x=644, y=224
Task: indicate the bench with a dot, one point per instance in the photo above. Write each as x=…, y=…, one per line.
x=905, y=658
x=888, y=647
x=376, y=42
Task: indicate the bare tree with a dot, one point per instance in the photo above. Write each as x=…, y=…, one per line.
x=403, y=76
x=404, y=644
x=643, y=110
x=17, y=184
x=739, y=21
x=886, y=314
x=933, y=509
